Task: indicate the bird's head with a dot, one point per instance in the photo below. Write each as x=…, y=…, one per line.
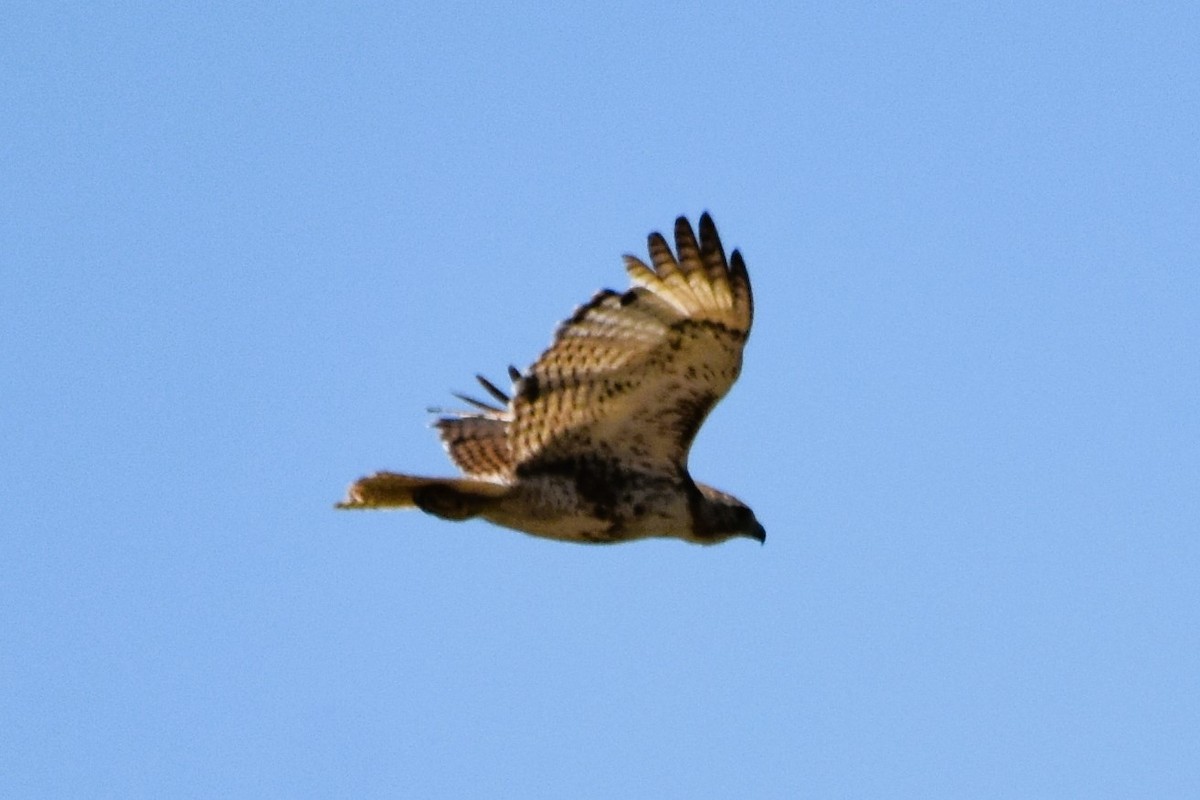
x=718, y=516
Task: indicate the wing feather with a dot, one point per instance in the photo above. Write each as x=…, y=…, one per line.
x=632, y=376
x=478, y=445
x=691, y=265
x=676, y=288
x=477, y=440
x=712, y=254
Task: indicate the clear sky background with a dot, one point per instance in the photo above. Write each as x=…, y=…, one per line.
x=243, y=247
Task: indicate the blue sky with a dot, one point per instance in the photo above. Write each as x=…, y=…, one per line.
x=245, y=247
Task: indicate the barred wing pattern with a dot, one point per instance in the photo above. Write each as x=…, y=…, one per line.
x=629, y=377
x=478, y=444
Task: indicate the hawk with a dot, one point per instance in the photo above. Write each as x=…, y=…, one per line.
x=592, y=443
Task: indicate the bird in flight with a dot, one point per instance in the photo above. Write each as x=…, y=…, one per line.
x=592, y=443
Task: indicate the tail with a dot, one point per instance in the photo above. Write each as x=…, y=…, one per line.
x=448, y=498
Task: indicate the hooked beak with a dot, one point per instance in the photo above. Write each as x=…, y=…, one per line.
x=759, y=533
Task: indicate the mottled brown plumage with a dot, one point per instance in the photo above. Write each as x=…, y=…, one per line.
x=592, y=444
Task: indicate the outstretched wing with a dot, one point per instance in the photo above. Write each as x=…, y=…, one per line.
x=630, y=377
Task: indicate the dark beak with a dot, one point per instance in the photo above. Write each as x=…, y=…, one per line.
x=759, y=533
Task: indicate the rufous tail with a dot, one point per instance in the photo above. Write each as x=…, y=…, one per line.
x=449, y=498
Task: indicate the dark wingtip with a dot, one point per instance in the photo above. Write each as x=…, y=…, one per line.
x=656, y=241
x=736, y=263
x=711, y=249
x=683, y=229
x=737, y=270
x=478, y=403
x=492, y=389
